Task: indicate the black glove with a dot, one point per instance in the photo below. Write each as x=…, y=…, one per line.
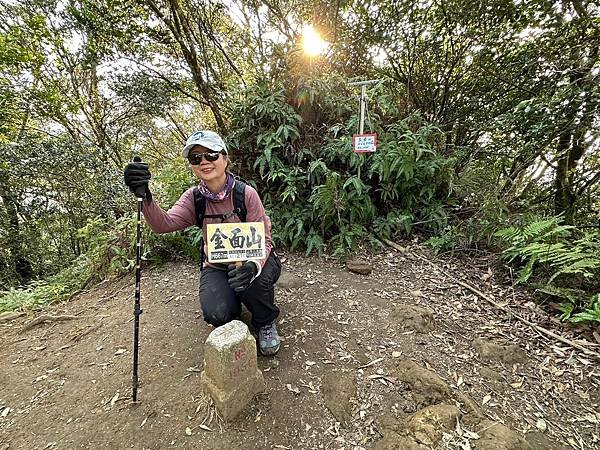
x=137, y=177
x=241, y=277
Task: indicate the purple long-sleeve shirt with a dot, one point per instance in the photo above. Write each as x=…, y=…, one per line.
x=183, y=215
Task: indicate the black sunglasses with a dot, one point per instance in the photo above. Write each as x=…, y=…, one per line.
x=196, y=158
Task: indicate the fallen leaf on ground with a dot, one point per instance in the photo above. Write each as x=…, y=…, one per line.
x=375, y=361
x=487, y=276
x=541, y=425
x=470, y=434
x=293, y=389
x=517, y=384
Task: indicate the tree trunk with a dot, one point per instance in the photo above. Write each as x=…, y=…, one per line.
x=563, y=196
x=179, y=26
x=571, y=145
x=18, y=263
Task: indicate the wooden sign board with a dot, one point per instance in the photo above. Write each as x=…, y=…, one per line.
x=229, y=242
x=364, y=143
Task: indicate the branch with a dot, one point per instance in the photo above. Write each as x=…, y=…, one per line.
x=45, y=318
x=553, y=166
x=283, y=20
x=508, y=82
x=171, y=83
x=588, y=183
x=181, y=132
x=8, y=316
x=507, y=310
x=217, y=44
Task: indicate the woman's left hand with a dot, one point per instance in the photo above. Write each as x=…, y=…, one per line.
x=240, y=277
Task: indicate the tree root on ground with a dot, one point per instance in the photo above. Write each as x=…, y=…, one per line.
x=506, y=309
x=8, y=316
x=45, y=318
x=86, y=332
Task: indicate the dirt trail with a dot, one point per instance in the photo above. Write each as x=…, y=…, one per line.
x=400, y=358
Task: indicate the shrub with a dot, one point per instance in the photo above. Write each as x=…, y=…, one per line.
x=318, y=192
x=552, y=253
x=56, y=288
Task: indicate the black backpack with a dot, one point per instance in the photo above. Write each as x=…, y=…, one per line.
x=239, y=209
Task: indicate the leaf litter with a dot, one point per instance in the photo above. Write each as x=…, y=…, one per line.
x=555, y=378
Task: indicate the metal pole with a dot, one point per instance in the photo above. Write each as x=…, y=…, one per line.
x=137, y=311
x=363, y=101
x=360, y=83
x=363, y=107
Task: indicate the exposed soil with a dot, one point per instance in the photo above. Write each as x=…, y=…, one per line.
x=401, y=357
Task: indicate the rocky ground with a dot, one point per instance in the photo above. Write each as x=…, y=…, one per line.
x=403, y=357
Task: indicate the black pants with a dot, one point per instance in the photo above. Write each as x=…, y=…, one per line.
x=221, y=304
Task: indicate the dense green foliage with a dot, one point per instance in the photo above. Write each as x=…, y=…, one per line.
x=325, y=193
x=486, y=112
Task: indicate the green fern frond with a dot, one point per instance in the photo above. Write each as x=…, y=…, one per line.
x=591, y=313
x=586, y=267
x=572, y=295
x=537, y=227
x=508, y=234
x=526, y=271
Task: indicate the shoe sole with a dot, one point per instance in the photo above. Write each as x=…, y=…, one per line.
x=270, y=351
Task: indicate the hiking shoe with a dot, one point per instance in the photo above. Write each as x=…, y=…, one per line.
x=268, y=340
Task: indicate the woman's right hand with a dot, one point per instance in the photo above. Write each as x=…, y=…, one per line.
x=137, y=177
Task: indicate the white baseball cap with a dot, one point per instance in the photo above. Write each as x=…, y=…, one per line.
x=205, y=138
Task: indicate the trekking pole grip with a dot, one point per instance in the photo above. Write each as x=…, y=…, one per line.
x=140, y=192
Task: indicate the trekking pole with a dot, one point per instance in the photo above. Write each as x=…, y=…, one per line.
x=140, y=194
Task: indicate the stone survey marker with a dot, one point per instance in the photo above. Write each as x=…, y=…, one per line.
x=231, y=376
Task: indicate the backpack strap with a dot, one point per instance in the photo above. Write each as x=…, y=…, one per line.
x=239, y=205
x=239, y=199
x=199, y=206
x=200, y=209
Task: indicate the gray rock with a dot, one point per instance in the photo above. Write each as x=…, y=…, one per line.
x=422, y=431
x=412, y=317
x=359, y=266
x=495, y=436
x=426, y=386
x=288, y=280
x=338, y=389
x=503, y=351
